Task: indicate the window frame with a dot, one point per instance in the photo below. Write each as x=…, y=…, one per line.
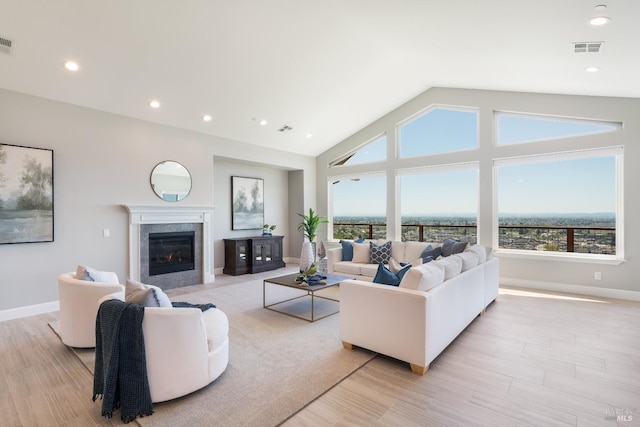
x=361, y=175
x=439, y=168
x=618, y=258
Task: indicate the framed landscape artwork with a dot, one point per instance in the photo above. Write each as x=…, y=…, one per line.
x=247, y=204
x=26, y=194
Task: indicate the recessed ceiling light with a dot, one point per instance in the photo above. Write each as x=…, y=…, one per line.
x=599, y=20
x=600, y=7
x=592, y=69
x=308, y=135
x=207, y=118
x=154, y=103
x=71, y=65
x=263, y=122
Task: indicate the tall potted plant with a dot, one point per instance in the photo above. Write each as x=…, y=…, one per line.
x=309, y=227
x=310, y=223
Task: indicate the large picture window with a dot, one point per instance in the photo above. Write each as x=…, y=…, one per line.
x=449, y=210
x=358, y=207
x=562, y=203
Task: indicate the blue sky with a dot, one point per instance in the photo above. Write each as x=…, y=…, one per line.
x=569, y=186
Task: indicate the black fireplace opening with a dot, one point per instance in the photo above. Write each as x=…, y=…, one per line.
x=171, y=252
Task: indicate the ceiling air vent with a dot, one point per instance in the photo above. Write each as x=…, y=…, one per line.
x=7, y=45
x=587, y=47
x=285, y=128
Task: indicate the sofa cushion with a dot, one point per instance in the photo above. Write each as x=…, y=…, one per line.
x=146, y=295
x=452, y=266
x=368, y=270
x=423, y=277
x=385, y=276
x=93, y=275
x=468, y=259
x=361, y=252
x=347, y=248
x=412, y=251
x=432, y=252
x=347, y=268
x=452, y=247
x=379, y=253
x=478, y=250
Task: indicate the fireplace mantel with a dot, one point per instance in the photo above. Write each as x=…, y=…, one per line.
x=154, y=214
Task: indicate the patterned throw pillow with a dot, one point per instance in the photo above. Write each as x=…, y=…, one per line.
x=379, y=254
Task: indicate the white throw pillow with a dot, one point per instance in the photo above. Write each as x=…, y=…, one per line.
x=93, y=275
x=452, y=266
x=361, y=252
x=423, y=277
x=146, y=295
x=469, y=260
x=478, y=250
x=394, y=266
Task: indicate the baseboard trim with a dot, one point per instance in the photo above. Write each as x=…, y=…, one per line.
x=572, y=289
x=30, y=310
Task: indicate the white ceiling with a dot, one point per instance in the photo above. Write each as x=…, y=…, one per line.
x=325, y=67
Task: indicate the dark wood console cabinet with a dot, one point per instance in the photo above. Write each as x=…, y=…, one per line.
x=252, y=254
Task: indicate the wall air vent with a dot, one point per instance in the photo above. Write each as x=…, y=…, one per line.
x=587, y=47
x=285, y=128
x=7, y=45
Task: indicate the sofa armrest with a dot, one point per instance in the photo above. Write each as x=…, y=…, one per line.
x=333, y=255
x=384, y=319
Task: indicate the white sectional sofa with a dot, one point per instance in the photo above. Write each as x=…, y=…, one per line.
x=415, y=321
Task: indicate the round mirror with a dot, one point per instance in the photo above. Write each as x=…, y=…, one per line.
x=171, y=181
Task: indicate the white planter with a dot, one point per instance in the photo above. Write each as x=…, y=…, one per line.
x=306, y=256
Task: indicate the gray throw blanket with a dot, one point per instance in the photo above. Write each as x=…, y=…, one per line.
x=120, y=376
x=202, y=307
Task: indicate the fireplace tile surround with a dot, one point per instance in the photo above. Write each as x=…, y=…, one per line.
x=144, y=219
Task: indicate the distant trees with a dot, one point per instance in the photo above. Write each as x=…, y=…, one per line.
x=35, y=184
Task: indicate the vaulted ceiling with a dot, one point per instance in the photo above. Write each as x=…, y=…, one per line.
x=324, y=68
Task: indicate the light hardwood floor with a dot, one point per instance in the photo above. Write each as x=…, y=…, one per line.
x=534, y=358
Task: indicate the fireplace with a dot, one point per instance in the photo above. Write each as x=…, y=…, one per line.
x=171, y=252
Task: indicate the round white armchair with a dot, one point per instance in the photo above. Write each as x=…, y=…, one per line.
x=185, y=348
x=79, y=302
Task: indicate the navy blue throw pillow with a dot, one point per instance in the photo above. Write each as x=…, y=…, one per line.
x=451, y=247
x=429, y=251
x=347, y=248
x=384, y=276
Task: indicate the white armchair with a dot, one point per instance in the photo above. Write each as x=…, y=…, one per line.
x=186, y=349
x=79, y=302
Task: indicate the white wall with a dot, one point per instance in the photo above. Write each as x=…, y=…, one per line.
x=102, y=161
x=617, y=280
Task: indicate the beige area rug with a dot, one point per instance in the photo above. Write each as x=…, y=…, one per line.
x=277, y=363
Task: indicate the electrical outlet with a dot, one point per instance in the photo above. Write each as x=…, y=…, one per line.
x=598, y=275
x=106, y=232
